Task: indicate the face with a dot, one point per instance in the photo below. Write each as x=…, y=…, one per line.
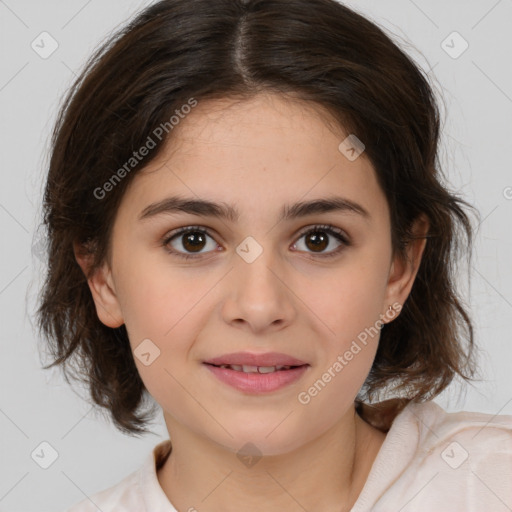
x=191, y=285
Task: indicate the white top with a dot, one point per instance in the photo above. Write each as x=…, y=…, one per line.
x=431, y=460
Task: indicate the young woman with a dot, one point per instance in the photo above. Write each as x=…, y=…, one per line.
x=248, y=223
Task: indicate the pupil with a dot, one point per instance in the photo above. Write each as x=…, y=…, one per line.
x=319, y=240
x=189, y=242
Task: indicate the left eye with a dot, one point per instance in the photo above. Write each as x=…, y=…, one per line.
x=191, y=238
x=317, y=239
x=194, y=238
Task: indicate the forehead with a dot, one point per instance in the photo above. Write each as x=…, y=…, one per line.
x=263, y=151
x=268, y=124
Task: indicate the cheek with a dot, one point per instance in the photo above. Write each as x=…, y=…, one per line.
x=350, y=304
x=350, y=298
x=336, y=381
x=162, y=340
x=151, y=295
x=164, y=311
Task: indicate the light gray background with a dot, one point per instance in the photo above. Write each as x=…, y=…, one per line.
x=37, y=405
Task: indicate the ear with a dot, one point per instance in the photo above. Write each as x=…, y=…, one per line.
x=404, y=270
x=102, y=289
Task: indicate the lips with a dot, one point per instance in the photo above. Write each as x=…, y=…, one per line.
x=256, y=383
x=248, y=359
x=254, y=369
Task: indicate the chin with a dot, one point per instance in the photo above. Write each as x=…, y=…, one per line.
x=260, y=443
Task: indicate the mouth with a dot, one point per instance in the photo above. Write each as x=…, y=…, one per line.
x=256, y=369
x=257, y=380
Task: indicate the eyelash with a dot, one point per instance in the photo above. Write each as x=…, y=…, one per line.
x=326, y=228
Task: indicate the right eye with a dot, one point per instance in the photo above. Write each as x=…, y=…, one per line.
x=190, y=238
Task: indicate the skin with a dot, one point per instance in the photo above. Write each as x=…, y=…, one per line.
x=256, y=155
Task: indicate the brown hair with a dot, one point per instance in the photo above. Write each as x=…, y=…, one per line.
x=321, y=52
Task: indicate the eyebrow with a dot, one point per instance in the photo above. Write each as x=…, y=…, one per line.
x=205, y=208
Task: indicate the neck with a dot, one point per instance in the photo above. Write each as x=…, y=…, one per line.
x=327, y=473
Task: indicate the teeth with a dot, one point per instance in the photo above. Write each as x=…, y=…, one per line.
x=267, y=369
x=254, y=369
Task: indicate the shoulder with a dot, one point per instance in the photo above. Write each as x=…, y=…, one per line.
x=463, y=434
x=462, y=458
x=139, y=491
x=118, y=497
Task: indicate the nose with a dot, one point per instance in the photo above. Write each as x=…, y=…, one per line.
x=259, y=297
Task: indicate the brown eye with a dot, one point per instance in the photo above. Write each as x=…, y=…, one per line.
x=320, y=238
x=193, y=241
x=317, y=241
x=189, y=242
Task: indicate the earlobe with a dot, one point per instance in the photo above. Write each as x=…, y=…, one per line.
x=404, y=270
x=102, y=289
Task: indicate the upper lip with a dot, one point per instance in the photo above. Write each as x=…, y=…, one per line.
x=250, y=359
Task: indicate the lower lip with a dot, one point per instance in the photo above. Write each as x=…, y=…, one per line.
x=258, y=382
